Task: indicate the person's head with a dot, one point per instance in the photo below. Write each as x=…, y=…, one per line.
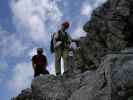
x=65, y=25
x=39, y=51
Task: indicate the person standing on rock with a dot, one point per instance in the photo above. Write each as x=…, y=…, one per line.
x=39, y=63
x=61, y=42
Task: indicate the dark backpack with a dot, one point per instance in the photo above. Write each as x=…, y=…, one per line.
x=52, y=44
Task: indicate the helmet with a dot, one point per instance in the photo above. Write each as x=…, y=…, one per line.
x=66, y=24
x=40, y=50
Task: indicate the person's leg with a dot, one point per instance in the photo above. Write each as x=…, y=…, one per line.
x=58, y=62
x=65, y=60
x=36, y=73
x=46, y=71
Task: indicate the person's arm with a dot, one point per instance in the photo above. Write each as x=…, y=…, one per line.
x=46, y=61
x=33, y=64
x=56, y=43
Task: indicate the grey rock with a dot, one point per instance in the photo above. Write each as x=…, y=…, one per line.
x=109, y=30
x=112, y=81
x=49, y=88
x=24, y=95
x=58, y=88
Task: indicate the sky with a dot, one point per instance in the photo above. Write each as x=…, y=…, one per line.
x=28, y=24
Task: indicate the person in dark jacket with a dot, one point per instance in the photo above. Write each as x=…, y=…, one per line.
x=39, y=63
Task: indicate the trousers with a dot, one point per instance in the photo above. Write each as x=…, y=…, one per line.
x=40, y=70
x=59, y=53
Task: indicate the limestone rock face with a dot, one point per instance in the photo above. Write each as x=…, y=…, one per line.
x=51, y=87
x=24, y=95
x=110, y=29
x=114, y=80
x=59, y=88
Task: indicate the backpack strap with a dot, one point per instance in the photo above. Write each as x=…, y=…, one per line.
x=60, y=35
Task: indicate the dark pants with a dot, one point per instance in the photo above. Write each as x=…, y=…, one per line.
x=40, y=70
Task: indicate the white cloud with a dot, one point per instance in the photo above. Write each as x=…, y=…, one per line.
x=37, y=17
x=11, y=45
x=22, y=76
x=88, y=6
x=86, y=10
x=62, y=66
x=51, y=68
x=32, y=52
x=16, y=49
x=78, y=32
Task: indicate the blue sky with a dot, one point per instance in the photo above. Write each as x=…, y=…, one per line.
x=28, y=24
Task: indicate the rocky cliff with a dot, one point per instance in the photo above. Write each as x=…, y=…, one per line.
x=102, y=66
